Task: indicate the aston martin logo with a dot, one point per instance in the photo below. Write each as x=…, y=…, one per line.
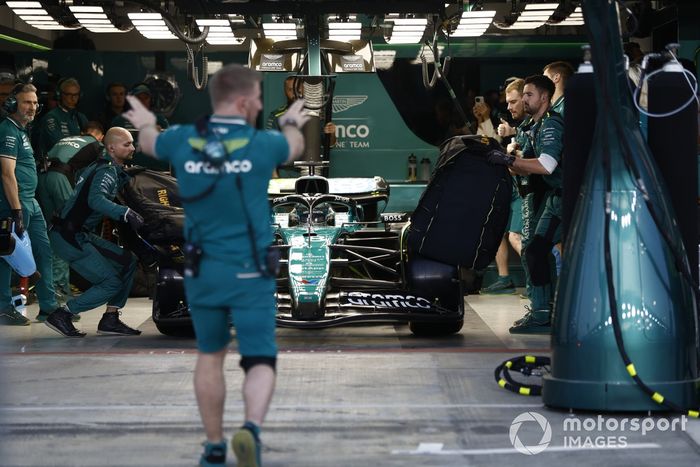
x=343, y=103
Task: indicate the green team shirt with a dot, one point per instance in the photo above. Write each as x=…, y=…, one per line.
x=558, y=106
x=218, y=222
x=66, y=148
x=14, y=144
x=271, y=123
x=103, y=179
x=57, y=124
x=546, y=137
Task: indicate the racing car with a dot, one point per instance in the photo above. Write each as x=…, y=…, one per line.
x=342, y=260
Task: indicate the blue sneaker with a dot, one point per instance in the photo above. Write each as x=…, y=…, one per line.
x=502, y=286
x=214, y=454
x=246, y=446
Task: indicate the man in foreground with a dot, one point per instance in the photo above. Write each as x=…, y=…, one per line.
x=224, y=166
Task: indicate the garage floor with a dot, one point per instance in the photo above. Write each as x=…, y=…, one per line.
x=353, y=396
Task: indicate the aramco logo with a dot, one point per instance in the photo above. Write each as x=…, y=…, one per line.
x=518, y=422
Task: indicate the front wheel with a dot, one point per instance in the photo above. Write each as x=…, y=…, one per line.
x=435, y=329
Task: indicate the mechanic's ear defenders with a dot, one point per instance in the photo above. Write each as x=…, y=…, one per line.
x=214, y=151
x=10, y=104
x=64, y=82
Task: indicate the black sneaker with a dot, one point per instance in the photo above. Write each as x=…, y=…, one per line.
x=11, y=317
x=111, y=325
x=41, y=317
x=61, y=321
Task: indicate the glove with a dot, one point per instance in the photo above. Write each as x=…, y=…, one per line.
x=18, y=221
x=294, y=116
x=133, y=218
x=139, y=115
x=495, y=157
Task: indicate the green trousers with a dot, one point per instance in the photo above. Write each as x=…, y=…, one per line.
x=35, y=226
x=109, y=268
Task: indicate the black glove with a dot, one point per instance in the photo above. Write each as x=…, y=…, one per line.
x=496, y=157
x=18, y=221
x=133, y=218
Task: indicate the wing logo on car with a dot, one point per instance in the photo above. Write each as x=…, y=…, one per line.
x=307, y=281
x=343, y=103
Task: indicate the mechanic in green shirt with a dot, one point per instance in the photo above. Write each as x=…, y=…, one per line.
x=63, y=120
x=107, y=266
x=559, y=73
x=224, y=166
x=66, y=159
x=143, y=93
x=19, y=180
x=542, y=230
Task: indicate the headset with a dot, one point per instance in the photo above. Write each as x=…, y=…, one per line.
x=10, y=104
x=62, y=82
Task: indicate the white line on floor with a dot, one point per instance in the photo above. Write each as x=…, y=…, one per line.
x=106, y=408
x=435, y=449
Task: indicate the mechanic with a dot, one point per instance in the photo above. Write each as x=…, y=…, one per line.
x=559, y=73
x=66, y=159
x=272, y=120
x=115, y=97
x=542, y=229
x=504, y=284
x=65, y=119
x=107, y=266
x=227, y=278
x=19, y=180
x=7, y=82
x=143, y=93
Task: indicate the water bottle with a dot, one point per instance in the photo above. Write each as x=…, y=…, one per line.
x=412, y=168
x=20, y=304
x=425, y=169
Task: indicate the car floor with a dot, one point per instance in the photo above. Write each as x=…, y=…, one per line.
x=348, y=396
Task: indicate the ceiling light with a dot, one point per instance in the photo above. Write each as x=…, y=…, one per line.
x=574, y=19
x=212, y=22
x=151, y=25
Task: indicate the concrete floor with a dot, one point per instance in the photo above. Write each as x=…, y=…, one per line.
x=353, y=396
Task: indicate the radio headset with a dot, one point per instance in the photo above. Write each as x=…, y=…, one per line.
x=10, y=104
x=214, y=152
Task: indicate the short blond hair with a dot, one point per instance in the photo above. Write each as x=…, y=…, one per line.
x=516, y=85
x=230, y=81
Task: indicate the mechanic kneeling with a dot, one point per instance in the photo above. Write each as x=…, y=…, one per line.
x=107, y=266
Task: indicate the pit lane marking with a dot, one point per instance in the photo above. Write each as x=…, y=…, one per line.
x=436, y=449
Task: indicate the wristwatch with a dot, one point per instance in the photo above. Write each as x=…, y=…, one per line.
x=165, y=92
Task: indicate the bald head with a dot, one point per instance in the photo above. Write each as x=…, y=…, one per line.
x=119, y=144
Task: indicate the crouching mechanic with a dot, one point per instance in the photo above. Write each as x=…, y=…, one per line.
x=224, y=166
x=107, y=266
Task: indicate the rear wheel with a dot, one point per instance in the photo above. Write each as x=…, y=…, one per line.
x=435, y=329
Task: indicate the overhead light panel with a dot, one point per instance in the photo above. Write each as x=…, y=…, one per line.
x=533, y=16
x=474, y=23
x=405, y=30
x=280, y=31
x=345, y=31
x=94, y=19
x=220, y=32
x=574, y=19
x=34, y=15
x=151, y=25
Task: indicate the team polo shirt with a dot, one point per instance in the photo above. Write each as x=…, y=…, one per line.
x=558, y=106
x=15, y=144
x=59, y=123
x=66, y=148
x=546, y=136
x=218, y=222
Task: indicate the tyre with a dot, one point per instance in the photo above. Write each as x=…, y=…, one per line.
x=435, y=329
x=175, y=330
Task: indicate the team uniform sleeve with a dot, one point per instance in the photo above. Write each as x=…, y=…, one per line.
x=102, y=189
x=9, y=145
x=551, y=138
x=169, y=142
